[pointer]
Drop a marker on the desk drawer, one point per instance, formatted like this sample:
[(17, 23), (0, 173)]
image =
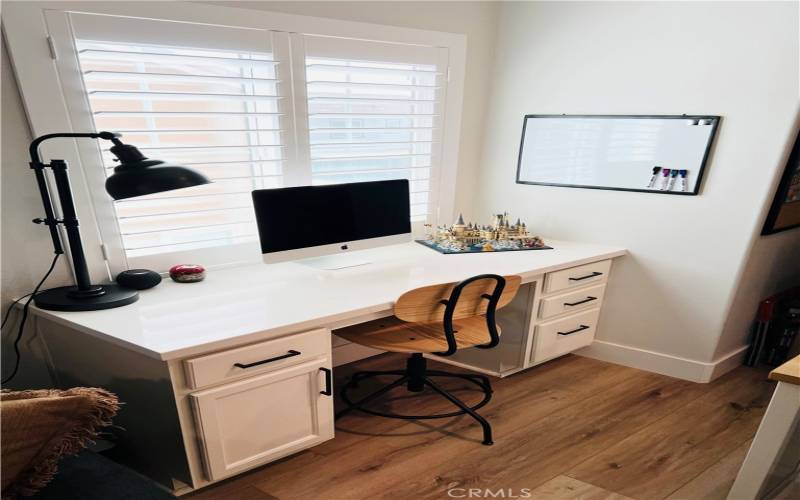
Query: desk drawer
[(564, 335), (257, 358), (596, 272), (585, 298)]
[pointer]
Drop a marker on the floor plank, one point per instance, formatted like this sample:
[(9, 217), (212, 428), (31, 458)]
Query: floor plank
[(235, 489), (789, 492), (416, 457), (655, 461), (553, 420), (715, 482), (568, 488), (539, 447)]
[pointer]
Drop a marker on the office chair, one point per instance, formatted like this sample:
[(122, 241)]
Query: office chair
[(437, 319)]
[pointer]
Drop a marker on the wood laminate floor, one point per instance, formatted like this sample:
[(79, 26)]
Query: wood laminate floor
[(571, 428)]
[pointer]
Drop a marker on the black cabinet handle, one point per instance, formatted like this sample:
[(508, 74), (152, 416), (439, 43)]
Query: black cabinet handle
[(582, 328), (587, 276), (328, 389), (270, 360), (587, 299)]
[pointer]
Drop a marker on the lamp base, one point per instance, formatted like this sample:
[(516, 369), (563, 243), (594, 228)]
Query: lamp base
[(68, 298)]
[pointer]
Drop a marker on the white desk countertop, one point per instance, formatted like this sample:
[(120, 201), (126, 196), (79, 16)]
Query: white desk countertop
[(255, 302)]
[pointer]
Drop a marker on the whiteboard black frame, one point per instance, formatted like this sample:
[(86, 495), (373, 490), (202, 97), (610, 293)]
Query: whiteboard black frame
[(714, 125)]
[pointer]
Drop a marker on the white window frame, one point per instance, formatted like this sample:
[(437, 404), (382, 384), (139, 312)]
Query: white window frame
[(32, 54), (69, 73)]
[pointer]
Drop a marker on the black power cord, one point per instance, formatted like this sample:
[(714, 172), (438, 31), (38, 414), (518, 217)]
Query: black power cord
[(21, 329), (10, 308)]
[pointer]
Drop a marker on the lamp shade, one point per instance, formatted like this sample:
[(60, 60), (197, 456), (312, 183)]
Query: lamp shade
[(137, 175)]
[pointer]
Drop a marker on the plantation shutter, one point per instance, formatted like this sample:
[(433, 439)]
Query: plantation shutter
[(204, 96), (375, 112)]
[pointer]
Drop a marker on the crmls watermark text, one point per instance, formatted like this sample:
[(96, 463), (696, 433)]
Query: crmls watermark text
[(489, 493)]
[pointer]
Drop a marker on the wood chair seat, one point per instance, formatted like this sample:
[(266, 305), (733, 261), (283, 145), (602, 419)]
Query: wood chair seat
[(394, 335), (437, 319)]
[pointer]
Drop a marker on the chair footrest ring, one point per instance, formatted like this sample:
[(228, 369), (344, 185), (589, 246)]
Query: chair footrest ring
[(358, 377)]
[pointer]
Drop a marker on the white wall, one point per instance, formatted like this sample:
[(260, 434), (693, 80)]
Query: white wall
[(737, 60), (772, 265), (26, 248)]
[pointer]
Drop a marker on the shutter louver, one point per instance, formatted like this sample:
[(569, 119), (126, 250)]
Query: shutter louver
[(373, 119), (215, 110)]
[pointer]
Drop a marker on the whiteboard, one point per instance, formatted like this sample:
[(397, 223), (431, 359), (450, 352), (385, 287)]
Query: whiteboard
[(616, 152)]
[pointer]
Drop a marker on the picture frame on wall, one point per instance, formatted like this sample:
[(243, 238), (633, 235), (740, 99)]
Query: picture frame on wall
[(784, 213)]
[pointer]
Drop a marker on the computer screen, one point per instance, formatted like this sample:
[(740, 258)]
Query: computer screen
[(309, 216)]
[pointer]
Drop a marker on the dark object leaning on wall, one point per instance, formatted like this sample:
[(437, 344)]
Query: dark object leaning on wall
[(775, 329)]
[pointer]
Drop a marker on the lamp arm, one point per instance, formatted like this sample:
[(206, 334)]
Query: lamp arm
[(34, 147)]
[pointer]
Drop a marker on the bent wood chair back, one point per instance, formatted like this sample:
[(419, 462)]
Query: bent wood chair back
[(479, 295)]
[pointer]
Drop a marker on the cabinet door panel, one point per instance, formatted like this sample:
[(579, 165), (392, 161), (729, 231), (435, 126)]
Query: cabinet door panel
[(257, 420)]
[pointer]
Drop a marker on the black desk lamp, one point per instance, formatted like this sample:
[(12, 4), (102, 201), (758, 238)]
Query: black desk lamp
[(136, 175)]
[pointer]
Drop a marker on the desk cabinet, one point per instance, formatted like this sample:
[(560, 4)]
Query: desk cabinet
[(266, 401), (555, 314), (256, 420)]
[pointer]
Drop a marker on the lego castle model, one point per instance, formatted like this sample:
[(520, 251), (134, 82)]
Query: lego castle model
[(501, 235)]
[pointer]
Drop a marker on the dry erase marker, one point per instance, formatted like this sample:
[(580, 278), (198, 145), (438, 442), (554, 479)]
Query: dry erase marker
[(653, 179), (664, 178), (673, 175), (684, 181)]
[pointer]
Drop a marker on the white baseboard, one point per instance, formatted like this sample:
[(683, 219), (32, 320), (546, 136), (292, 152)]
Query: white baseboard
[(728, 362), (665, 364)]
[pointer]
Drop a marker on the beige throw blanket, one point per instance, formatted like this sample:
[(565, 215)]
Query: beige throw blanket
[(39, 427)]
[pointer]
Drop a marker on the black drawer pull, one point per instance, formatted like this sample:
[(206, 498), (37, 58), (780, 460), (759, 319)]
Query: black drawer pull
[(328, 389), (270, 360), (582, 328), (587, 276), (587, 299)]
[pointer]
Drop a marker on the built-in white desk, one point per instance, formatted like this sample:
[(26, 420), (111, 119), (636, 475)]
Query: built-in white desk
[(193, 417)]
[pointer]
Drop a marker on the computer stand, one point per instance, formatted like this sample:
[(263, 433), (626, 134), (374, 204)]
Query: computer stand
[(334, 262)]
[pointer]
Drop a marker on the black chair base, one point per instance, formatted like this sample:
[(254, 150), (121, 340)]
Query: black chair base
[(416, 376)]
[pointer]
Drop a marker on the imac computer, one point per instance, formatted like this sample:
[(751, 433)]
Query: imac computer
[(323, 224)]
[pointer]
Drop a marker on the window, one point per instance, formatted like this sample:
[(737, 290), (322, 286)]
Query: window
[(210, 99), (215, 111), (374, 114), (251, 108)]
